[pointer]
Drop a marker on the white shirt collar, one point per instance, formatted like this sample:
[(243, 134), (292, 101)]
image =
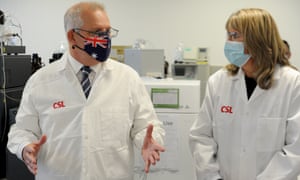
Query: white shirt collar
[(76, 65)]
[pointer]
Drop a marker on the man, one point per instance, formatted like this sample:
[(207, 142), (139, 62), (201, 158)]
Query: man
[(80, 116)]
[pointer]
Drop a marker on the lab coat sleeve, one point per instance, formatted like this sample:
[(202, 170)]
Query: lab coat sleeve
[(144, 114), (285, 164), (202, 144), (26, 129)]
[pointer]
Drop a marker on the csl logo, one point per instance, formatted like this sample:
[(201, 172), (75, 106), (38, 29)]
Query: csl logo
[(226, 109), (58, 104)]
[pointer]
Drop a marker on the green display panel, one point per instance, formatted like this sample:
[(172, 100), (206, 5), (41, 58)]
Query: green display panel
[(165, 97)]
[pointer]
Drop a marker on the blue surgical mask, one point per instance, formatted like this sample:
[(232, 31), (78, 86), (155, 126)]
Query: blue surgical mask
[(234, 52)]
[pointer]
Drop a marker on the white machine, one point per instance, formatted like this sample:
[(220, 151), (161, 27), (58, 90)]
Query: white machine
[(177, 103), (147, 62), (195, 65), (187, 71), (195, 54)]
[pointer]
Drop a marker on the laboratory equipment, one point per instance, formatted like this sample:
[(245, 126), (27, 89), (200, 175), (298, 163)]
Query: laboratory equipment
[(198, 71), (178, 57), (192, 71), (117, 52), (195, 54), (147, 62), (194, 65), (177, 104), (55, 57), (15, 70)]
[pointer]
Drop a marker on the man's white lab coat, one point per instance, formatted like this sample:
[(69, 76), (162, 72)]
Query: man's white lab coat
[(237, 138), (87, 139)]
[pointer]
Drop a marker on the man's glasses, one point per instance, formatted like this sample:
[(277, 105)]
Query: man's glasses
[(111, 32)]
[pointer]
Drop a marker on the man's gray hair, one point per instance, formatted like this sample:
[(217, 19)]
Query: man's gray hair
[(72, 18)]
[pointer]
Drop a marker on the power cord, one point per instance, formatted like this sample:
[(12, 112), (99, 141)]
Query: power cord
[(3, 91)]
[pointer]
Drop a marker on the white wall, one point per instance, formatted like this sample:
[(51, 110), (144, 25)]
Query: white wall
[(163, 23)]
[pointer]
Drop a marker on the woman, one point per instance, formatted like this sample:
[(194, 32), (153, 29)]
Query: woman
[(249, 124)]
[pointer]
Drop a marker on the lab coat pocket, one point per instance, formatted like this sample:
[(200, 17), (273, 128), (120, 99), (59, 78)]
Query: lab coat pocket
[(270, 134), (223, 126), (117, 163), (111, 128)]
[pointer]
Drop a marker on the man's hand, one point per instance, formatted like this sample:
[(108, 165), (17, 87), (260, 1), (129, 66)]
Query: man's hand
[(151, 149), (30, 153)]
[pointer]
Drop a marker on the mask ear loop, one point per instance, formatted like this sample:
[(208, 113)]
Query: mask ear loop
[(75, 31), (75, 45)]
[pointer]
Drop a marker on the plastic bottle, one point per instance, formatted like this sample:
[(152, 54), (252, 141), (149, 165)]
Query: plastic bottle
[(178, 58)]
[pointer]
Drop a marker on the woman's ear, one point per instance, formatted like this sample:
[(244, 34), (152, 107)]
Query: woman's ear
[(246, 51)]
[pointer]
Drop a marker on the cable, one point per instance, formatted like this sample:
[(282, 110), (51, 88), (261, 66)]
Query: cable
[(3, 86), (10, 21)]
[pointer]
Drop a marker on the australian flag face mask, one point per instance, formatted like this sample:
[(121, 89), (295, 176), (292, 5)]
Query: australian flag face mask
[(97, 46)]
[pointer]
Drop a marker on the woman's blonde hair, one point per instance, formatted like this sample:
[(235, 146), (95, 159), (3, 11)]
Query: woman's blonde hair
[(262, 40)]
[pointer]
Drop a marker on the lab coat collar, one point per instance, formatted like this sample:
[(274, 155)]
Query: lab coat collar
[(67, 68), (63, 62), (257, 91), (241, 74), (277, 72), (107, 65)]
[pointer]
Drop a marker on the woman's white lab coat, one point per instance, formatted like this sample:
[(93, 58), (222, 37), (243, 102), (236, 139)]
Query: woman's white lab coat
[(87, 139), (236, 138)]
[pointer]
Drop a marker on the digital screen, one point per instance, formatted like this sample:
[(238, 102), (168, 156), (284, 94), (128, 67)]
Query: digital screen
[(202, 50), (179, 71), (165, 97)]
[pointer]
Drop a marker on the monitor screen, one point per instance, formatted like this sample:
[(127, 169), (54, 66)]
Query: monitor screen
[(165, 97), (179, 71)]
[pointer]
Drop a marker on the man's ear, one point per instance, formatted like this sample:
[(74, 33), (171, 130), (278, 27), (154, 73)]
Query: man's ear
[(70, 36)]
